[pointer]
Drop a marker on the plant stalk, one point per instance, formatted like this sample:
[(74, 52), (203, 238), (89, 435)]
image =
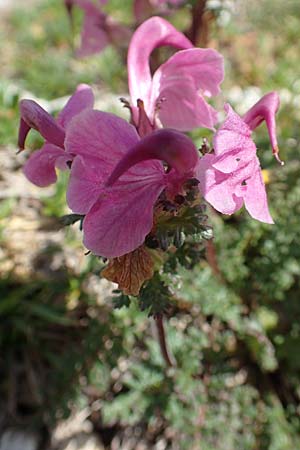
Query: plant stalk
[(167, 356)]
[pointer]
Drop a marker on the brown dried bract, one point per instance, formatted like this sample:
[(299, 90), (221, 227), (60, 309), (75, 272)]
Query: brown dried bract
[(130, 270)]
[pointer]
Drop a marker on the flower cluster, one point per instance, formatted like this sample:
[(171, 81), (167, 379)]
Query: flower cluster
[(100, 29), (129, 181)]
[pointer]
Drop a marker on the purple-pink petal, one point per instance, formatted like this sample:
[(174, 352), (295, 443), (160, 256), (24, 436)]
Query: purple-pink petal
[(181, 106), (82, 98), (204, 66), (233, 143), (121, 219), (216, 187), (107, 138), (85, 184), (228, 162), (255, 197), (100, 135), (233, 133), (40, 167)]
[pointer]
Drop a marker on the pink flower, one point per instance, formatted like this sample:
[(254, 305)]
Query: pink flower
[(40, 167), (175, 93), (114, 185), (98, 29), (231, 176)]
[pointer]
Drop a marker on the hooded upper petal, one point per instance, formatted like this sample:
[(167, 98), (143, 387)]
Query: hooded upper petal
[(34, 116), (154, 32), (178, 86), (265, 110), (170, 146)]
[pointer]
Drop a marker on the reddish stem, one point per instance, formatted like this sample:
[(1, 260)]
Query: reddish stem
[(197, 22), (212, 259), (168, 358)]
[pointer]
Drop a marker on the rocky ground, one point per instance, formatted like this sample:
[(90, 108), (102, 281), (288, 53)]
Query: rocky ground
[(26, 232)]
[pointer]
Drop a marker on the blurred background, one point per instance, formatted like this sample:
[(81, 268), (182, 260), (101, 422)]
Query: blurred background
[(76, 372)]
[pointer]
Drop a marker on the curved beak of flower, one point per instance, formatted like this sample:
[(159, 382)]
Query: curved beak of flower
[(151, 34), (265, 110), (170, 146), (34, 116)]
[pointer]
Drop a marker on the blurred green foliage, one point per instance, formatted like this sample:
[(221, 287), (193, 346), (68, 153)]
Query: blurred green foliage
[(236, 331)]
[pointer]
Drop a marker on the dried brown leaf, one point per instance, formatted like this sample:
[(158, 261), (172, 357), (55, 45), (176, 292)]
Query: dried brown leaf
[(130, 270)]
